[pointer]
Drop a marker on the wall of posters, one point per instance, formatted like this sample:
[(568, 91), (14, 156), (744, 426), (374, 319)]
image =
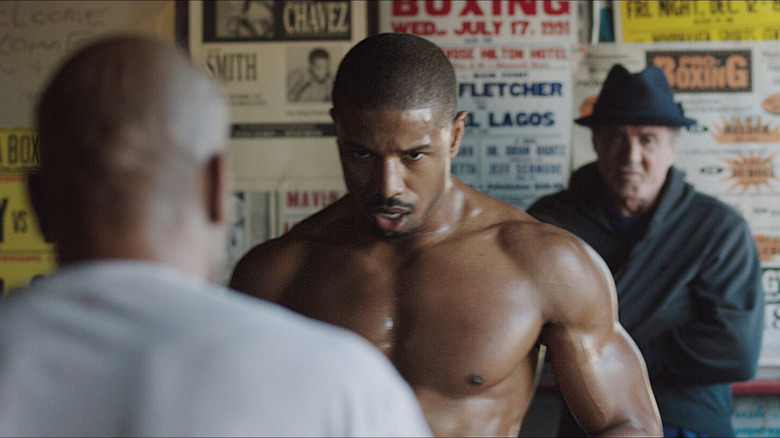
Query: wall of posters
[(756, 416), (276, 61), (732, 89), (513, 68), (251, 224), (34, 38), (699, 20), (296, 205)]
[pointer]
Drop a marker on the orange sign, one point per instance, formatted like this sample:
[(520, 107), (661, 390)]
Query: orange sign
[(751, 170), (772, 104), (767, 246), (746, 131)]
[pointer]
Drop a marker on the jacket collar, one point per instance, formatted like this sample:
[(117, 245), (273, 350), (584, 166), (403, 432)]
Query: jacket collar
[(590, 192)]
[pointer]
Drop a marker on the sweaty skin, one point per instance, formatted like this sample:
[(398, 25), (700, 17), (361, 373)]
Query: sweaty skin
[(455, 287)]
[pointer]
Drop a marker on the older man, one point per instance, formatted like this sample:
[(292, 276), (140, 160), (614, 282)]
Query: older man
[(685, 264), (128, 338)]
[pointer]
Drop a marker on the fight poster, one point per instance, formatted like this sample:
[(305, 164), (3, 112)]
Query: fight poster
[(251, 224), (732, 89), (512, 61), (276, 62), (23, 252), (696, 20)]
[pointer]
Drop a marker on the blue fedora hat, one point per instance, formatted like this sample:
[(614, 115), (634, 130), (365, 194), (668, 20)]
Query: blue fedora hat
[(636, 99)]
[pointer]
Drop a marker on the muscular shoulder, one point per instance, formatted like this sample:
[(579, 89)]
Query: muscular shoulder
[(267, 268), (573, 282)]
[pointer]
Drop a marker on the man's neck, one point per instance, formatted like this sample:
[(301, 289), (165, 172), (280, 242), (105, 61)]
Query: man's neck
[(628, 207), (186, 247), (445, 217)]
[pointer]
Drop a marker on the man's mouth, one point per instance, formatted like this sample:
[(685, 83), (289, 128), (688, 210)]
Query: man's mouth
[(392, 214), (629, 173), (392, 219)]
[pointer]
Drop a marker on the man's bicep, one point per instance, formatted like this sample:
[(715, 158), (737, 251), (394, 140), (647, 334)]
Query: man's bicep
[(603, 379), (580, 340), (598, 368)]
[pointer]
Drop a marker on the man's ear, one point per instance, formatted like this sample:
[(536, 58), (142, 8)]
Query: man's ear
[(216, 186), (458, 126)]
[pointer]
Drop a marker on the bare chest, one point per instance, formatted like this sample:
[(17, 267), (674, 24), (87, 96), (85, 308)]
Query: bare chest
[(456, 318)]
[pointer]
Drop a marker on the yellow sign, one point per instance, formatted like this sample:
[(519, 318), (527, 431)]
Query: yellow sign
[(23, 252), (693, 20)]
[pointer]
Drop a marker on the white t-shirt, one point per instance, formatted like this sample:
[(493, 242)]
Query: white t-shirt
[(135, 348)]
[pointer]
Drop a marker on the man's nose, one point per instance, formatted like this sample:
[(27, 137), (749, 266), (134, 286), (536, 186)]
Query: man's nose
[(633, 150), (390, 178)]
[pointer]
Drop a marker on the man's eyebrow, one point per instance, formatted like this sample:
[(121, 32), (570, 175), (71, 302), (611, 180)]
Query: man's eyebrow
[(417, 149), (411, 150), (350, 143)]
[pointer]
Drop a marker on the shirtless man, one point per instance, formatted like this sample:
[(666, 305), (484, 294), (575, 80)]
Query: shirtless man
[(455, 287)]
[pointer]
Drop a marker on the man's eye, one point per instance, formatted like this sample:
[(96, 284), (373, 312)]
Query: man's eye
[(414, 156), (612, 140), (361, 154)]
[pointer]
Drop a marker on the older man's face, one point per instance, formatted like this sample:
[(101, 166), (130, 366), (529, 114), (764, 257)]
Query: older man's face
[(633, 161)]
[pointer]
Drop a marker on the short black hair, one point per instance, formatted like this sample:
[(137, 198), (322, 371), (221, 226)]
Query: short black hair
[(395, 70)]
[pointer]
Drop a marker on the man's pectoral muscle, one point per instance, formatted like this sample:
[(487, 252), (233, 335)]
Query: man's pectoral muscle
[(460, 320)]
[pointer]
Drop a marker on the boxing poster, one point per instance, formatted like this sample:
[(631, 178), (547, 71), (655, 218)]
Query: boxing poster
[(700, 20), (35, 37), (296, 205), (733, 90), (276, 61), (24, 254), (512, 61), (251, 224)]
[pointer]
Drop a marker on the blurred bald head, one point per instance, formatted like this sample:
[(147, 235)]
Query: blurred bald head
[(129, 129)]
